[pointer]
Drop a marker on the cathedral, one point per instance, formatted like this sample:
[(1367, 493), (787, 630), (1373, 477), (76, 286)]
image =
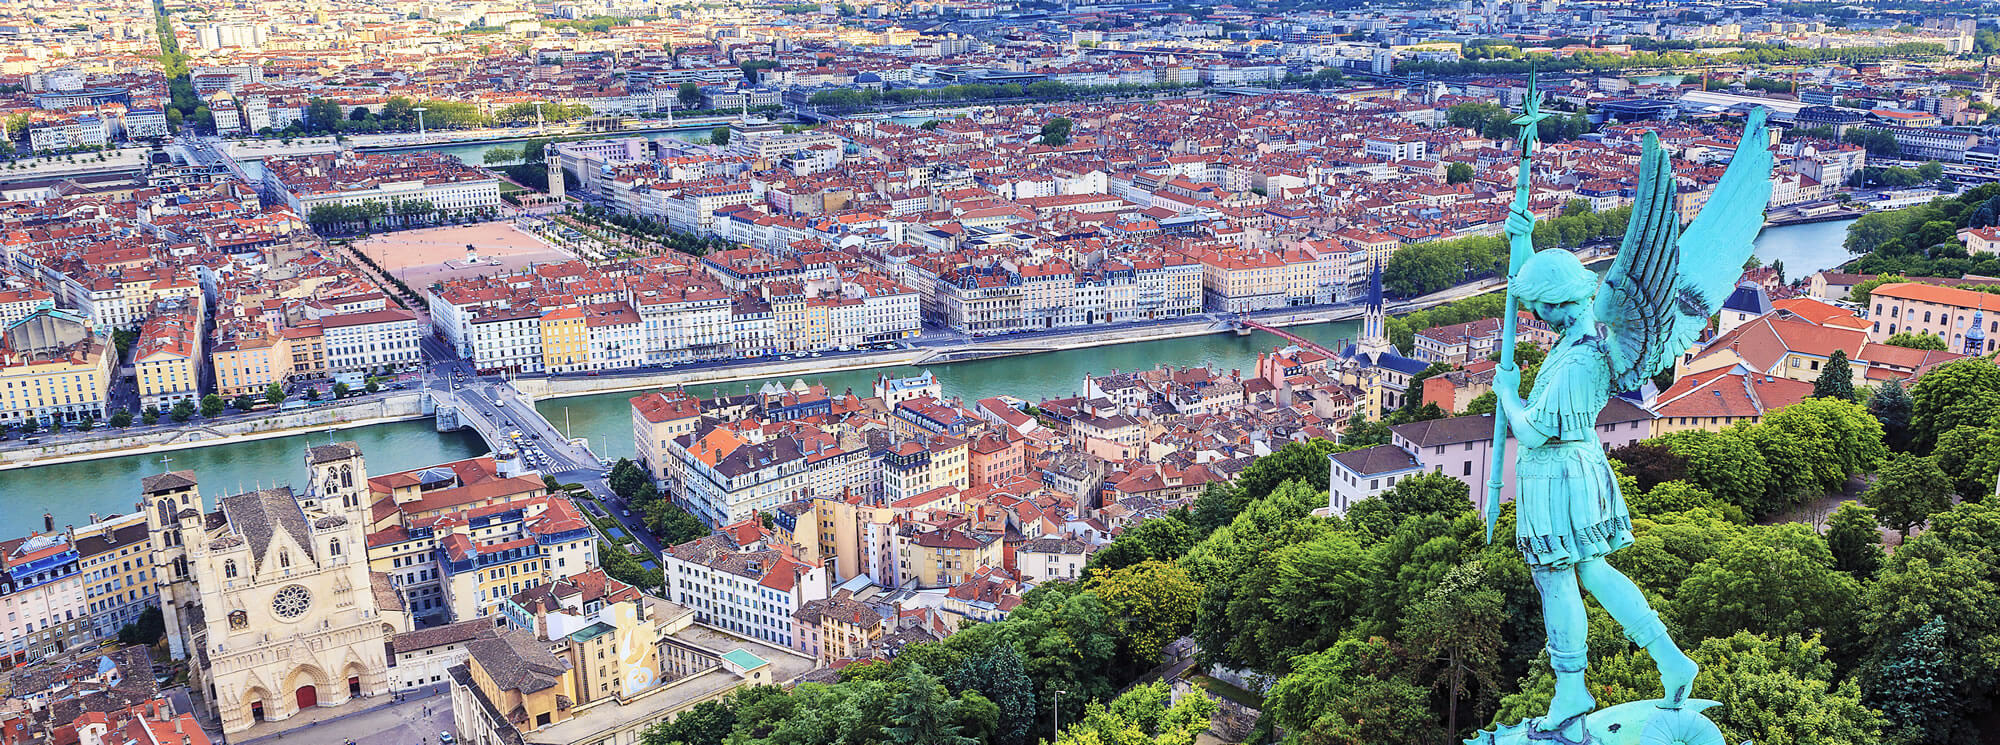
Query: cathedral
[(270, 593)]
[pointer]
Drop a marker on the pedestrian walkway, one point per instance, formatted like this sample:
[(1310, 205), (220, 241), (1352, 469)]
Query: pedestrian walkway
[(401, 719)]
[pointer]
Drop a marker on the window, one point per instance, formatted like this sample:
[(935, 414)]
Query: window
[(284, 557), (229, 569)]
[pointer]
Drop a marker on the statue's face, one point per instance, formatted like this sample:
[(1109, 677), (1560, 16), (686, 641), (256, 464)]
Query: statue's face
[(1559, 315)]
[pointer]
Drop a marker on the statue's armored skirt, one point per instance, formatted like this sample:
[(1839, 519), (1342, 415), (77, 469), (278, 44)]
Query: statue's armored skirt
[(1567, 505)]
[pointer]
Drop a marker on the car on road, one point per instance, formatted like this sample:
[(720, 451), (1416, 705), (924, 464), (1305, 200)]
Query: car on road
[(444, 738)]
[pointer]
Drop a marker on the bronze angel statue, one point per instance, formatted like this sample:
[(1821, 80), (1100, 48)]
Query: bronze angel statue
[(1615, 335)]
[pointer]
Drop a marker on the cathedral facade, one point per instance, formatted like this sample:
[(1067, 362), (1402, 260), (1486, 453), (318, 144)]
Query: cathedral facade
[(270, 593)]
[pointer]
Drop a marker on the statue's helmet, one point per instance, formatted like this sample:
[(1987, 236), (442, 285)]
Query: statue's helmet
[(1553, 276)]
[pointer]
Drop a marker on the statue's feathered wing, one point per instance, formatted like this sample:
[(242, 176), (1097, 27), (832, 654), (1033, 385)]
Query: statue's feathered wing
[(1666, 282)]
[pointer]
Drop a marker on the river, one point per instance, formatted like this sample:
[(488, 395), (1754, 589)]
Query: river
[(71, 491)]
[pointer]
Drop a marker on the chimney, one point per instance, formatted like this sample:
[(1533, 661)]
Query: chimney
[(48, 522)]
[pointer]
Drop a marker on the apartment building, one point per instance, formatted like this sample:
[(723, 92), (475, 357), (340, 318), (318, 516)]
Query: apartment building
[(403, 182), (368, 340), (54, 367), (659, 418), (722, 476), (456, 539), (114, 558), (838, 628), (756, 592), (43, 607), (168, 359), (1946, 312)]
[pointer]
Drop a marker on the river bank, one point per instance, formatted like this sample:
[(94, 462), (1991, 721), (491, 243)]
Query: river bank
[(112, 443)]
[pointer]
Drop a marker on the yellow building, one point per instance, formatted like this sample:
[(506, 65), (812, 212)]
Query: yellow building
[(527, 683), (53, 366), (912, 468), (943, 558), (307, 347), (565, 340), (114, 557), (838, 628), (168, 358), (658, 418), (591, 661), (848, 537), (788, 310), (248, 360)]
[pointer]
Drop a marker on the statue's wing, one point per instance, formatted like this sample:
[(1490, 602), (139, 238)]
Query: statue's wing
[(1666, 282)]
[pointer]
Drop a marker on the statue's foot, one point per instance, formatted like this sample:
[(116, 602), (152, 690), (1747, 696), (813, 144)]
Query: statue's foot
[(1677, 674), (1571, 702)]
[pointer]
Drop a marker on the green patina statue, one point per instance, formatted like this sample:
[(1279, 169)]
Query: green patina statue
[(1615, 334)]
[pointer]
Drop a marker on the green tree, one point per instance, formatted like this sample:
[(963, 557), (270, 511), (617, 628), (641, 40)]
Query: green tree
[(1055, 132), (1915, 340), (339, 390), (625, 477), (667, 520), (1970, 456), (183, 410), (689, 95), (500, 156), (997, 674), (926, 713), (1650, 463), (1836, 380), (372, 385), (1145, 715), (1727, 465), (1068, 643), (719, 135), (707, 723), (244, 402), (1908, 490), (1959, 393), (1946, 574), (1913, 688), (1880, 144), (1890, 404), (274, 394), (121, 418), (1456, 631), (146, 630), (151, 415), (1354, 693), (1846, 439), (1164, 538), (1304, 461), (1151, 603), (1774, 581), (1681, 496), (1854, 538), (1458, 173)]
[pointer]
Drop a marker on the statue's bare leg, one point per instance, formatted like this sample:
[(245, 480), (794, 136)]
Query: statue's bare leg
[(1569, 645), (1628, 606)]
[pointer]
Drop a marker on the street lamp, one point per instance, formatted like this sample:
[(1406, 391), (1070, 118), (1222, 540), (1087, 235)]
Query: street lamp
[(1058, 716)]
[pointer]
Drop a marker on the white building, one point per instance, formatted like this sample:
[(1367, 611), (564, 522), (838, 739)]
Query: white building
[(1360, 474), (361, 341), (755, 592)]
